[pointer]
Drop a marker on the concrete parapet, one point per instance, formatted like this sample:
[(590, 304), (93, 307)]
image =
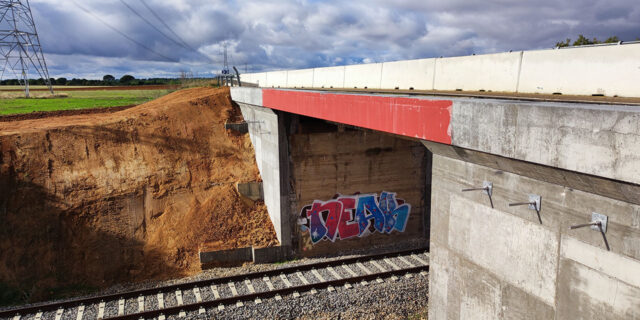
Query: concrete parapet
[(601, 70)]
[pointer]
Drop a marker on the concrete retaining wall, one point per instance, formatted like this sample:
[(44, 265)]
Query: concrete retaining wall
[(503, 263), (265, 133), (609, 70)]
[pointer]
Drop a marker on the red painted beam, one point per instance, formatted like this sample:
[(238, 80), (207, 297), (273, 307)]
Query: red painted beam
[(418, 118)]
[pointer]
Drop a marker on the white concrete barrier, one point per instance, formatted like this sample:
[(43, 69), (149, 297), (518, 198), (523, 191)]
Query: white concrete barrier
[(495, 72), (276, 79), (300, 78), (363, 76), (407, 74), (607, 70), (330, 77)]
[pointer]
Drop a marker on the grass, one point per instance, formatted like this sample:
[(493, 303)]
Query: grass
[(13, 103)]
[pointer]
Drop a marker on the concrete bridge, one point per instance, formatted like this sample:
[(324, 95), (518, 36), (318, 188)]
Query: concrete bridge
[(347, 170)]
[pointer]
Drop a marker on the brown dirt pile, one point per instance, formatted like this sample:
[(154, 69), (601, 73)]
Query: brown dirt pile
[(97, 199)]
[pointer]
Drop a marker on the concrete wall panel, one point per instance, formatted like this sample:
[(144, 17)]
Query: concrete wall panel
[(300, 78), (520, 252), (330, 77), (416, 74), (363, 75), (276, 79), (495, 72), (607, 70)]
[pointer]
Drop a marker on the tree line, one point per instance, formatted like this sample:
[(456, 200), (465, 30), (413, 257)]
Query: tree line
[(582, 40), (107, 80)]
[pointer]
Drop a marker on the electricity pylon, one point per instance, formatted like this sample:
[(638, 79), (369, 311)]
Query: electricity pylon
[(20, 49)]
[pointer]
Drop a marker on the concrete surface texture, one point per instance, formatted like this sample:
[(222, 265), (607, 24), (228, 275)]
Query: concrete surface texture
[(265, 133), (594, 139), (502, 263), (603, 70)]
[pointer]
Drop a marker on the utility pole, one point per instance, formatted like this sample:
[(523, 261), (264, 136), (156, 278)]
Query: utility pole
[(20, 48)]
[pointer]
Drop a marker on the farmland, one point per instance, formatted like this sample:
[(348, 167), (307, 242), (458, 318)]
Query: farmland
[(12, 102)]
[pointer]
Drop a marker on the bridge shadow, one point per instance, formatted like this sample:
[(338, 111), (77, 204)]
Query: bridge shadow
[(49, 250)]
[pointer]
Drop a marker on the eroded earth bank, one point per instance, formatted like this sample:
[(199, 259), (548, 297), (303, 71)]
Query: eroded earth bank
[(98, 199)]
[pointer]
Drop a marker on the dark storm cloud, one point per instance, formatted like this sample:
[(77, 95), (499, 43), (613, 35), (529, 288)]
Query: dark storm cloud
[(270, 34)]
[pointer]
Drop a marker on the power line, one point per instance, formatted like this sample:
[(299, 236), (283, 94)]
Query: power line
[(152, 25), (123, 34), (166, 25), (172, 31)]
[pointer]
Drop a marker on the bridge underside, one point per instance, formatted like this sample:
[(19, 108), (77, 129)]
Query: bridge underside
[(358, 158)]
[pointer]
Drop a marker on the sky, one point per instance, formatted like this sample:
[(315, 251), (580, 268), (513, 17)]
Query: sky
[(293, 34)]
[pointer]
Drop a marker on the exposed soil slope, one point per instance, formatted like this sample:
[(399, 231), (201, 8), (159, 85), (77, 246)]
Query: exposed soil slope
[(98, 199)]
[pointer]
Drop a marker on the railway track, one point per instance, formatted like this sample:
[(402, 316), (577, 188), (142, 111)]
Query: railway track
[(193, 298)]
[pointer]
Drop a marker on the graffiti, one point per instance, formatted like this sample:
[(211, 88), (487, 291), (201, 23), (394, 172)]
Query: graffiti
[(345, 217)]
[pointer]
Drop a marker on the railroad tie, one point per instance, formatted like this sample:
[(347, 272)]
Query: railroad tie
[(160, 300), (317, 275), (161, 317), (268, 282), (179, 297), (251, 289), (141, 303), (334, 273), (417, 258), (101, 310), (201, 310), (38, 315), (16, 317), (302, 278), (392, 264), (196, 292), (214, 289), (121, 307), (377, 265), (349, 271), (182, 314), (234, 292), (59, 313), (285, 280), (80, 312), (407, 262), (363, 268)]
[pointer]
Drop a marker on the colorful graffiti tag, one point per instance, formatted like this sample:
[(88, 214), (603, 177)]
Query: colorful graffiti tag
[(346, 217)]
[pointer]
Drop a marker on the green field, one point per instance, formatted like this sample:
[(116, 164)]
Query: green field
[(12, 103)]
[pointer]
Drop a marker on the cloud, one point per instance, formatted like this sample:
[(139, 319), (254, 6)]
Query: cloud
[(287, 34)]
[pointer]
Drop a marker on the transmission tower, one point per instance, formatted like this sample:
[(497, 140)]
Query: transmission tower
[(20, 49)]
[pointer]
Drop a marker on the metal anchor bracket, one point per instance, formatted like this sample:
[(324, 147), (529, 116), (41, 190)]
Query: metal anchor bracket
[(535, 202), (598, 223), (487, 188)]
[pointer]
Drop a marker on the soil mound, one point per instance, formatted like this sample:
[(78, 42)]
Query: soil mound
[(97, 199)]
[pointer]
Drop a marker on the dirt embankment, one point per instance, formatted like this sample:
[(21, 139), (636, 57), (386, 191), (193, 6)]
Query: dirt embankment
[(97, 199)]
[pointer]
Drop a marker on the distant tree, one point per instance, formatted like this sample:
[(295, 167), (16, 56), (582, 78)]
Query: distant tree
[(582, 41), (108, 79), (126, 79), (61, 81)]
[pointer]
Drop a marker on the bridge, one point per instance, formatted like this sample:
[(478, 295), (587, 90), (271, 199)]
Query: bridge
[(519, 170)]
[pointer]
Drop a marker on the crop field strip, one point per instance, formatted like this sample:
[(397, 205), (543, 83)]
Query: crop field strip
[(198, 296)]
